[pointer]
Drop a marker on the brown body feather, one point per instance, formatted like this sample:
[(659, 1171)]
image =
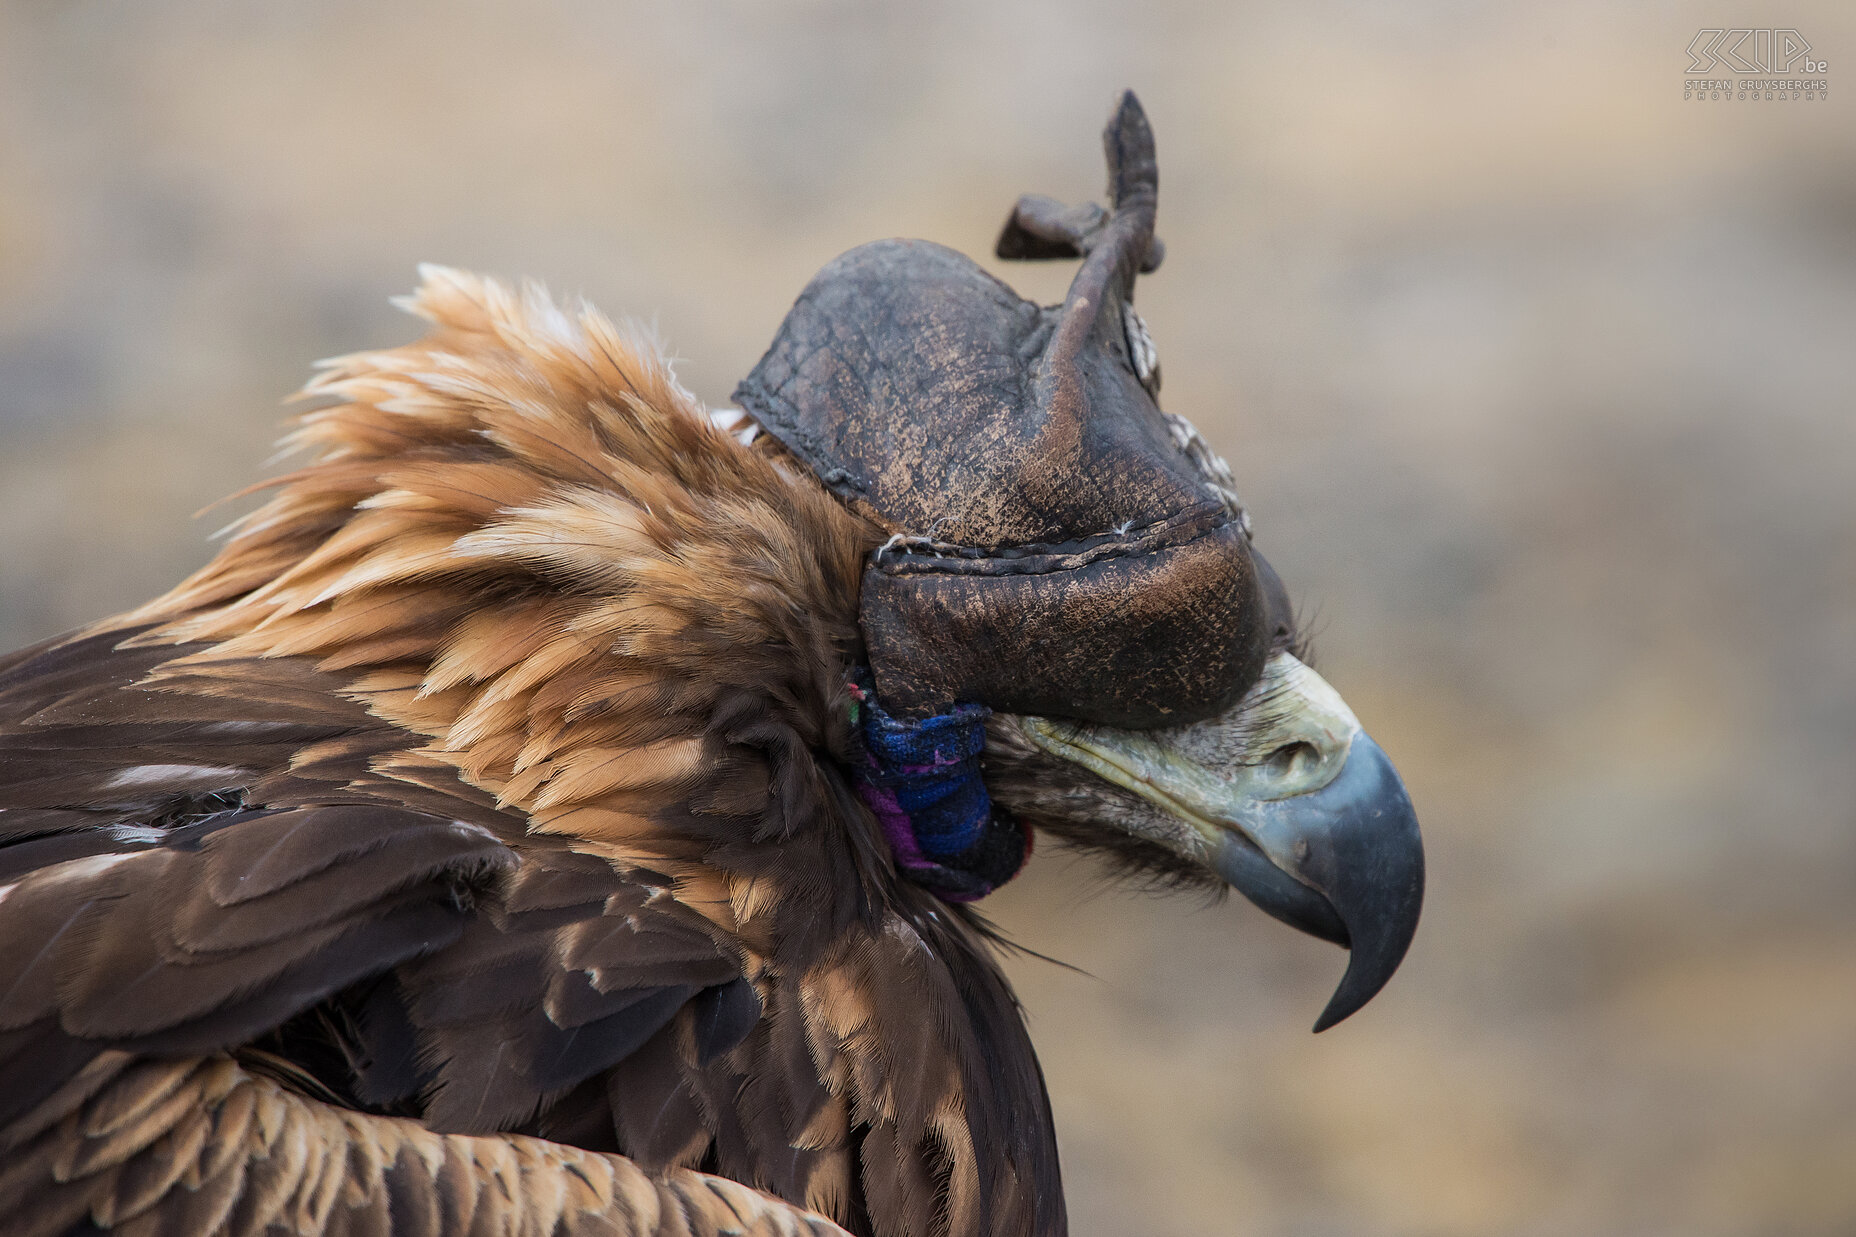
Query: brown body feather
[(485, 789)]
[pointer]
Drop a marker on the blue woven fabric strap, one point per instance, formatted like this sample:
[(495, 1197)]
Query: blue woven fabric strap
[(922, 780)]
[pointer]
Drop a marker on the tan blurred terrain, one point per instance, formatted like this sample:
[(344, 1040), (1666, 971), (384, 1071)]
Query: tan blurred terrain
[(1539, 381)]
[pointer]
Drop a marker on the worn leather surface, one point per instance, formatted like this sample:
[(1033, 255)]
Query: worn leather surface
[(1146, 639), (1054, 551), (912, 380)]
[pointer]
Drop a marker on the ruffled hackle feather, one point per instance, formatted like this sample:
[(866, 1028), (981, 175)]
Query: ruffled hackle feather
[(521, 538)]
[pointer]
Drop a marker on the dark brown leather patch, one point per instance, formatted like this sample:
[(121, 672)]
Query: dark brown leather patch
[(1136, 640)]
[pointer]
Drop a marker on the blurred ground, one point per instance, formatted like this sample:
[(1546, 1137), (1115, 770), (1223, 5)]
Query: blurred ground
[(1538, 379)]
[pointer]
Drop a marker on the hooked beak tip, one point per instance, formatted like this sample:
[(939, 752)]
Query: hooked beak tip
[(1357, 873), (1371, 871)]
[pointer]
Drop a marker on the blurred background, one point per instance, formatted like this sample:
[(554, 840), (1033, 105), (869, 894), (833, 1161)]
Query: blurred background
[(1538, 379)]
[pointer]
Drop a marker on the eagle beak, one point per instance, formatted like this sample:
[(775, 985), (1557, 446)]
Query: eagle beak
[(1344, 863), (1304, 815)]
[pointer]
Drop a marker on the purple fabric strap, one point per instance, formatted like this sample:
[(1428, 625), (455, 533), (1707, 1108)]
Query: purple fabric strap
[(922, 781)]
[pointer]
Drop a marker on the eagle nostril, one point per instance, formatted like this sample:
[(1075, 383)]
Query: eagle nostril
[(1292, 761)]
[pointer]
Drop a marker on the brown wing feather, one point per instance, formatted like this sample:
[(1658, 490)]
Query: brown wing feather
[(159, 930), (201, 1146)]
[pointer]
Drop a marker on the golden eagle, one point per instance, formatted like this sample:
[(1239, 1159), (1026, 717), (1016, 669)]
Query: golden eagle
[(557, 808)]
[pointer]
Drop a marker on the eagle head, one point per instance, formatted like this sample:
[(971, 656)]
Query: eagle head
[(1068, 568)]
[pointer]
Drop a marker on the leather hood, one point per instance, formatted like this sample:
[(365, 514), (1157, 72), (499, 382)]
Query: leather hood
[(1054, 550)]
